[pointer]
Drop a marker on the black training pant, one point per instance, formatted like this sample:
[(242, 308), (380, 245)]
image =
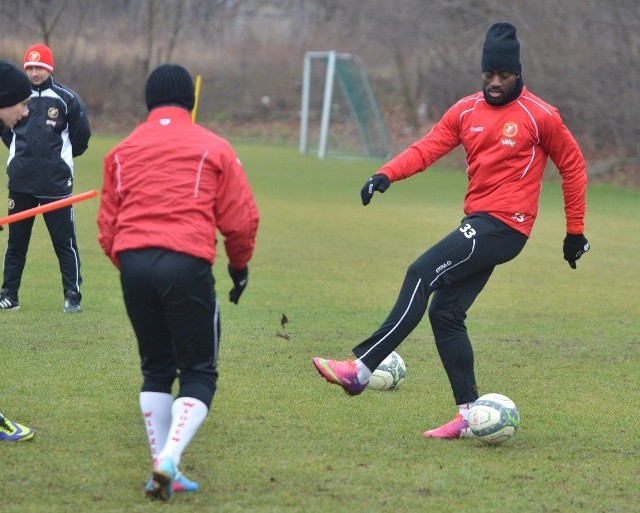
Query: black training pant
[(62, 230), (454, 271), (171, 303)]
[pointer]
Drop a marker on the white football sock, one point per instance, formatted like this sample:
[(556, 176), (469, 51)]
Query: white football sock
[(156, 413), (463, 409), (363, 372), (187, 416)]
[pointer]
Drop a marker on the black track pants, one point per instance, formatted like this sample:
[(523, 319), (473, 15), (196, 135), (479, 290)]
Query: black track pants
[(171, 303), (62, 230), (454, 271)]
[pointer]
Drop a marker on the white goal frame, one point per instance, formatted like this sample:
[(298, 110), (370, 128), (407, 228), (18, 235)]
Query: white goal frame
[(331, 58)]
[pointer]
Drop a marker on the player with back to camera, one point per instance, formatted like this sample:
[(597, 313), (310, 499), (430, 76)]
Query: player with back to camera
[(507, 133), (41, 170), (15, 92), (168, 187)]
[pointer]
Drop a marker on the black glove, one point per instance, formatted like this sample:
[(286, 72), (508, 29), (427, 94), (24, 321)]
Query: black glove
[(573, 248), (378, 183), (239, 277)]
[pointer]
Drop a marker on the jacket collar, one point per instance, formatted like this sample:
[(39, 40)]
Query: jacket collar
[(45, 85), (169, 111)]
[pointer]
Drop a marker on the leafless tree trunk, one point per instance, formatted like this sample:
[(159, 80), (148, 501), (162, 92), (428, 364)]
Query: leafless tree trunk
[(580, 55), (47, 14), (177, 24)]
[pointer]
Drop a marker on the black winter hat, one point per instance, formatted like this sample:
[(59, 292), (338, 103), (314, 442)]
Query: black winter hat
[(15, 86), (501, 50), (170, 84)]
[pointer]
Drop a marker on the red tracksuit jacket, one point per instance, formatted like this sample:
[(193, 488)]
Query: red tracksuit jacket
[(171, 184), (507, 149)]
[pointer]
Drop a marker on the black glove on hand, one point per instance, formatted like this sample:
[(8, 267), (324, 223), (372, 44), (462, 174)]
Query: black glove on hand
[(240, 278), (378, 183), (573, 248)]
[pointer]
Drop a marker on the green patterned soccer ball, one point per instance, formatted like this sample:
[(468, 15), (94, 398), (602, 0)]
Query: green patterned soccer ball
[(389, 374), (494, 418)]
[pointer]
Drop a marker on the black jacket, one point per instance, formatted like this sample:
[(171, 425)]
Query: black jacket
[(42, 145)]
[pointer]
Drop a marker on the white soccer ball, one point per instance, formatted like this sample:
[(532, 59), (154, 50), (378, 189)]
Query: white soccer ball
[(494, 418), (389, 374)]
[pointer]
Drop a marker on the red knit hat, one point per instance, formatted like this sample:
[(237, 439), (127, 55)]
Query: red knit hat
[(40, 56)]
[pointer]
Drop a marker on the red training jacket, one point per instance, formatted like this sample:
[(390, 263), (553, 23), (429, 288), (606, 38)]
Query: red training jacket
[(507, 149), (170, 184)]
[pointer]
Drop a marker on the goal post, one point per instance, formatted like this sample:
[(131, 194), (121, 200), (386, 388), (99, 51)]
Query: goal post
[(355, 94)]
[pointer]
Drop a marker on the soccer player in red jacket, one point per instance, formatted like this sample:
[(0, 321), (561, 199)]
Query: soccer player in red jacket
[(508, 134), (168, 188)]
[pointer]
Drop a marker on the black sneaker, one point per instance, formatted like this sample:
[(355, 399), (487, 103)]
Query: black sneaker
[(7, 301), (71, 302)]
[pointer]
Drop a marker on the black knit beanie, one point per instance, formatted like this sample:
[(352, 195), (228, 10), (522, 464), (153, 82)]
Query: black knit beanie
[(501, 50), (170, 84), (15, 86)]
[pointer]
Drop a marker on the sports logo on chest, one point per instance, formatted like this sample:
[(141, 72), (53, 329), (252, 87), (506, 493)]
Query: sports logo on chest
[(509, 131), (52, 115)]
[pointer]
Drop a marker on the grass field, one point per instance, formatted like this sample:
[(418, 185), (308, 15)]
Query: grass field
[(563, 344)]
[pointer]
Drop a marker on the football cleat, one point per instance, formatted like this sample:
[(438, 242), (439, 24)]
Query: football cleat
[(181, 483), (71, 302), (163, 475), (13, 432), (457, 428), (8, 301), (342, 373)]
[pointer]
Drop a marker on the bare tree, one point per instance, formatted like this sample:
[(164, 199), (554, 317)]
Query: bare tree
[(150, 34), (580, 55), (177, 19), (47, 14)]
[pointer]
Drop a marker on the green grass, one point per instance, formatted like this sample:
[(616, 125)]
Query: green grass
[(563, 344)]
